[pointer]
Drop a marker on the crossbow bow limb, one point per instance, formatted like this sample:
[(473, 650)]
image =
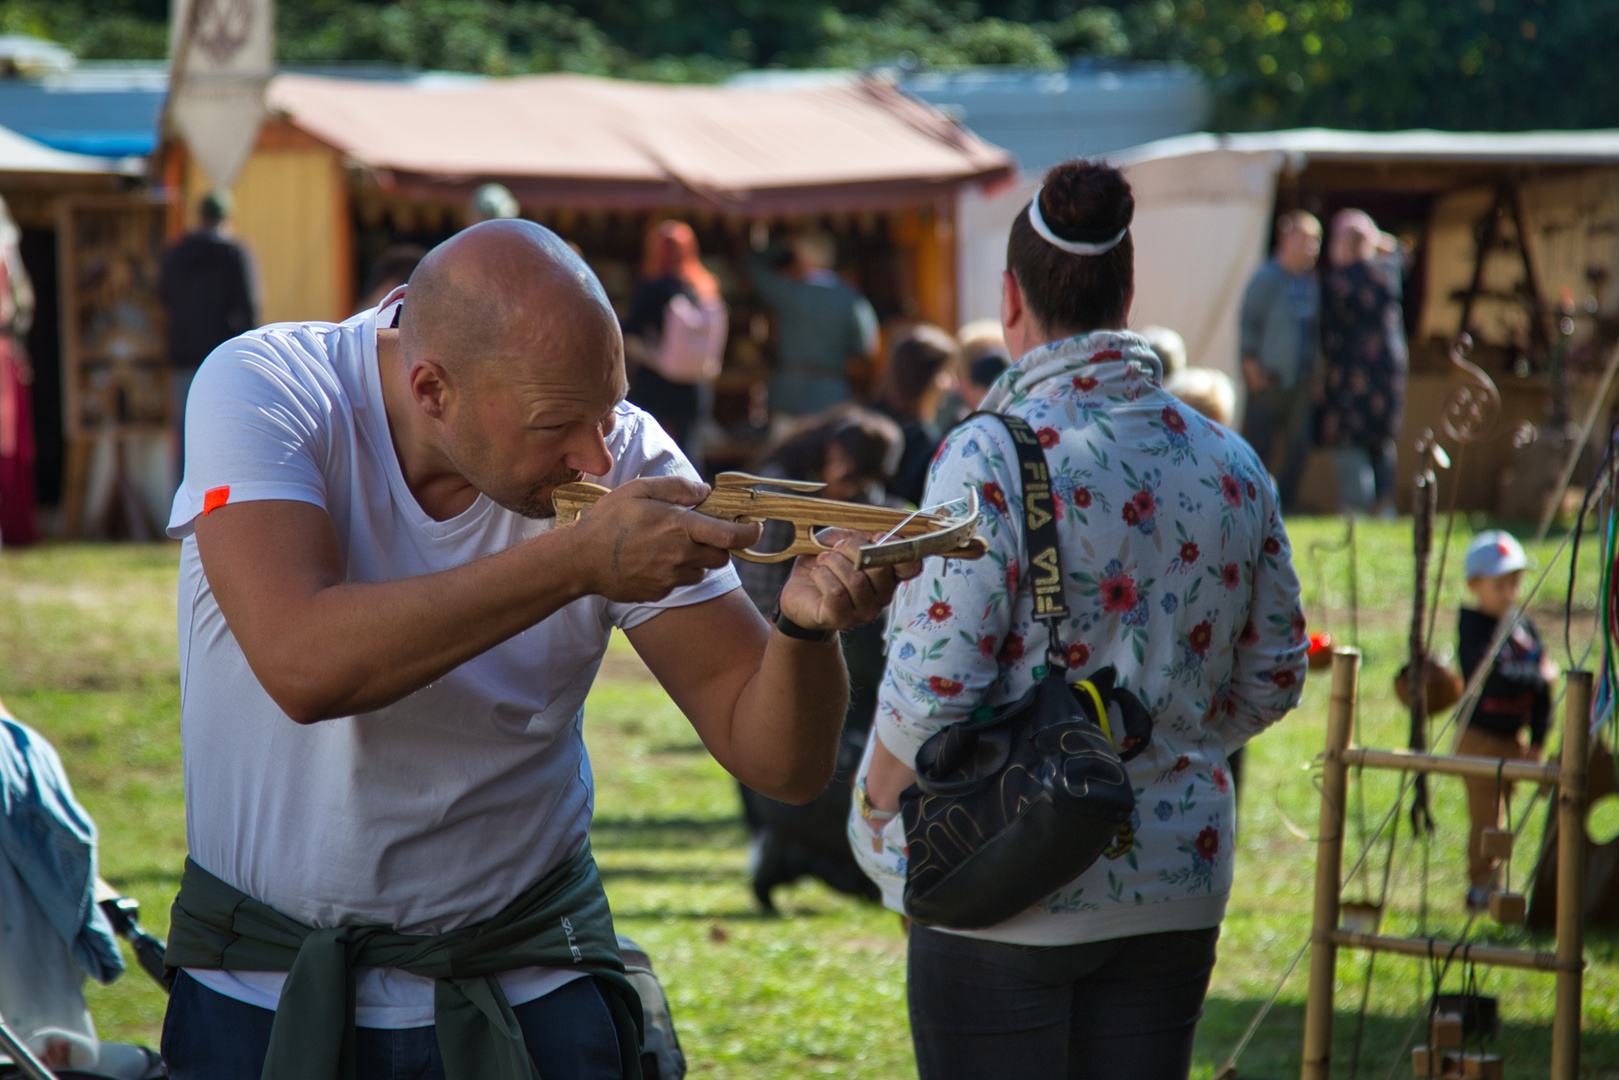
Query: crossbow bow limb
[(906, 536)]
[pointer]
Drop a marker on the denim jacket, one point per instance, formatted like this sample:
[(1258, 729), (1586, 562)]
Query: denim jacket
[(51, 842)]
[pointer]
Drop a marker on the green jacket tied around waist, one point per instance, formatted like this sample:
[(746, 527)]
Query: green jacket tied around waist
[(563, 922)]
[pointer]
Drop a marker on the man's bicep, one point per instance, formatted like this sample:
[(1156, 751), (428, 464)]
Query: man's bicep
[(265, 561), (703, 654)]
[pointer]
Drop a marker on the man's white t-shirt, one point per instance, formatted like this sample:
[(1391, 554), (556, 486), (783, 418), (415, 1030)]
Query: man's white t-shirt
[(433, 812)]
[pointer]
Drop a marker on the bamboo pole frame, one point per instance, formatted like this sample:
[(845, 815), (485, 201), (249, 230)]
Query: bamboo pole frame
[(1567, 962), (1329, 867), (1450, 765), (1492, 955), (1571, 878)]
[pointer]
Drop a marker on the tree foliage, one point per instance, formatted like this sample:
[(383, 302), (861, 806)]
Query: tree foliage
[(1374, 64)]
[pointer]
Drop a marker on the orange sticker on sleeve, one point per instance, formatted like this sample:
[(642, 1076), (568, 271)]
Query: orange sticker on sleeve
[(214, 498)]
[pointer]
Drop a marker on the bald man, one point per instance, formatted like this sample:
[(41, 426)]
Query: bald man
[(385, 649)]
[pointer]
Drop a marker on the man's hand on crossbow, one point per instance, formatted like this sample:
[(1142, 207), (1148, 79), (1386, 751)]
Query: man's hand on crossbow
[(829, 592), (642, 540)]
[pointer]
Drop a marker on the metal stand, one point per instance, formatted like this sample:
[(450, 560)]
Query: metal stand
[(1325, 937), (22, 1057)]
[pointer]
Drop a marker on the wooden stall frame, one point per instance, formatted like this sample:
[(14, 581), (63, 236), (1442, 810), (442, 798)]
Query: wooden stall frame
[(1567, 963), (79, 441)]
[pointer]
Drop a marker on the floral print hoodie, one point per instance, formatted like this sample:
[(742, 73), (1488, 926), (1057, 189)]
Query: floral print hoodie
[(1178, 573)]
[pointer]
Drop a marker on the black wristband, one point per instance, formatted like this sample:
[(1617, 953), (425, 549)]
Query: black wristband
[(801, 633)]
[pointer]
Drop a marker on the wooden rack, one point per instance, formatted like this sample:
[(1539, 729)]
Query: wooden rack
[(1567, 962)]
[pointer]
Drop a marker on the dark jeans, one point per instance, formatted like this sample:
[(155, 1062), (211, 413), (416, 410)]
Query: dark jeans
[(1277, 426), (1108, 1009), (208, 1036)]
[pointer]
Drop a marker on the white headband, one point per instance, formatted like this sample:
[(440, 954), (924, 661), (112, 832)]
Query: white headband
[(1073, 247)]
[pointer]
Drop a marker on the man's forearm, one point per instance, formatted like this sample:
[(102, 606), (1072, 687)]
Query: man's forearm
[(784, 731), (364, 646)]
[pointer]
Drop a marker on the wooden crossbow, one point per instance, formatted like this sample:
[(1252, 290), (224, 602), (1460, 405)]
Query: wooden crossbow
[(907, 536)]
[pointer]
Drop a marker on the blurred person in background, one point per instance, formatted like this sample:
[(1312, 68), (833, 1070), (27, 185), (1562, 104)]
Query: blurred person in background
[(675, 334), (1170, 347), (1208, 390), (823, 326), (17, 524), (853, 451), (491, 202), (391, 270), (207, 287), (1279, 333), (1106, 977), (981, 361), (1363, 336), (913, 382)]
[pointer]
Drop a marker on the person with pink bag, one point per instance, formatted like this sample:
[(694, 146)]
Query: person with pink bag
[(676, 333)]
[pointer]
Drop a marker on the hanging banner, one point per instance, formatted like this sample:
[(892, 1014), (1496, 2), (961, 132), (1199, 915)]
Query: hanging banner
[(221, 57)]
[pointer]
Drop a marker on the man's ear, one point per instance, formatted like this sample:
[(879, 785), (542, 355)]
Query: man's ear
[(430, 388)]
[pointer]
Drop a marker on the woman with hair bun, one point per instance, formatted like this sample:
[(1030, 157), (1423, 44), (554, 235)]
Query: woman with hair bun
[(1176, 572)]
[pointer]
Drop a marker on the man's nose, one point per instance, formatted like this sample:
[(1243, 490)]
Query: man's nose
[(591, 455)]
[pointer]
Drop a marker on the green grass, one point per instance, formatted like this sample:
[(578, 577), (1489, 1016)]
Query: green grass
[(87, 655)]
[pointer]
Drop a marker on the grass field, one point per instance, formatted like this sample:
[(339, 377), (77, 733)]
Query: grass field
[(87, 656)]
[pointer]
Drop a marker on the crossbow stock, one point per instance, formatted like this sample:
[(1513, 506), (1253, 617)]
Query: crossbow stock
[(906, 536)]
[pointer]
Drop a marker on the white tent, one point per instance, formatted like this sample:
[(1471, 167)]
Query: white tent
[(20, 154)]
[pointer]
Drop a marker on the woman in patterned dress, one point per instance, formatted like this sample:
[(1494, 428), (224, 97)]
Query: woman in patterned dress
[(1363, 336), (1178, 573)]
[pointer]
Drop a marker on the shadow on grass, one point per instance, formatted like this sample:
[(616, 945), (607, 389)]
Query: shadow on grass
[(151, 875), (1274, 1053), (672, 873), (669, 832), (715, 915)]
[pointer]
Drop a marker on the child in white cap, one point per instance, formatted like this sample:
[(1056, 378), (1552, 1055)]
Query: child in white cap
[(1516, 693)]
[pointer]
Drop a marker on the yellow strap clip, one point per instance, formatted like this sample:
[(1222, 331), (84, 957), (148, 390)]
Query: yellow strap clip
[(1101, 710)]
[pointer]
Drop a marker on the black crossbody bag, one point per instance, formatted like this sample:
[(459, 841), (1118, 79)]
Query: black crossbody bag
[(1008, 809)]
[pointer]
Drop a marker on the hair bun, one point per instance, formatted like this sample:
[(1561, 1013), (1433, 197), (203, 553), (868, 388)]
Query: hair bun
[(1086, 201)]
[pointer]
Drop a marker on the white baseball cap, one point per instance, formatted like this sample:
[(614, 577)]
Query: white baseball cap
[(1494, 553)]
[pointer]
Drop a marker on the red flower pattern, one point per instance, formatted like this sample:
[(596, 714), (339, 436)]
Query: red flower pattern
[(1222, 783), (986, 645), (1231, 491), (1201, 637), (944, 687), (1082, 497), (1230, 576), (1189, 553), (1173, 420), (1272, 546), (1085, 383), (1118, 593), (1012, 651), (1284, 677), (938, 611), (1207, 844), (1048, 437), (1078, 654), (994, 496)]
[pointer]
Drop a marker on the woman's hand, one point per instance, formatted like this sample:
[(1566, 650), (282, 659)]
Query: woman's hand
[(887, 777)]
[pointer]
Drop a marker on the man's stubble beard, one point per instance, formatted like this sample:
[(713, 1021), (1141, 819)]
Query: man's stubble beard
[(538, 503)]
